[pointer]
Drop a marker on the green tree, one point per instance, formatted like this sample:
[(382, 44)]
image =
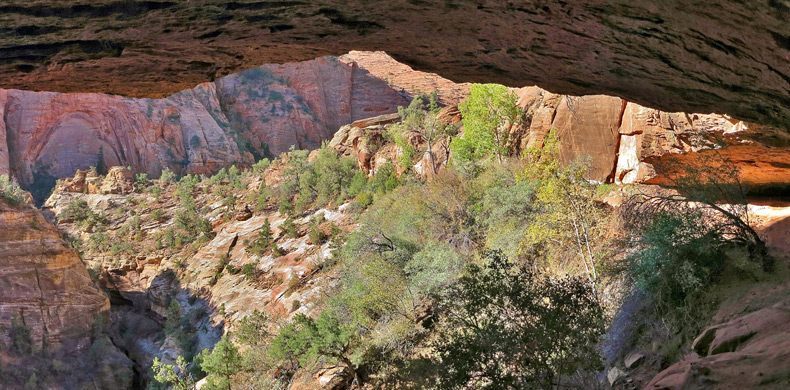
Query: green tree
[(101, 165), (306, 339), (296, 165), (142, 181), (252, 330), (421, 117), (259, 167), (32, 382), (167, 177), (21, 339), (488, 113), (176, 375), (506, 326), (568, 220), (220, 364)]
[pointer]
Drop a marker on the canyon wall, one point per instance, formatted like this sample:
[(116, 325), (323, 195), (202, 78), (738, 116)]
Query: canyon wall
[(256, 113), (266, 110), (45, 285), (629, 143)]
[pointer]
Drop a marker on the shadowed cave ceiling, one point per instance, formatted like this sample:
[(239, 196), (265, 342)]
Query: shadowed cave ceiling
[(696, 56)]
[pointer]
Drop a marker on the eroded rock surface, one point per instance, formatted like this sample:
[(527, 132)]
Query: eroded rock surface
[(234, 120), (748, 352), (45, 285), (264, 111), (713, 56)]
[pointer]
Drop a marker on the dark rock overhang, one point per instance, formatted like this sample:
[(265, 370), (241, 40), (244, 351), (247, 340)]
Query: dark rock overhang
[(720, 55)]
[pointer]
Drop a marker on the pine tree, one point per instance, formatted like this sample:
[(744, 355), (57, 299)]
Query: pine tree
[(101, 165), (221, 364)]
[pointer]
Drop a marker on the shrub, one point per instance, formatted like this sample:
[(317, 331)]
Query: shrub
[(252, 329), (364, 199), (385, 179), (167, 177), (358, 183), (20, 336), (158, 215), (259, 167), (176, 375), (676, 263), (250, 271), (316, 235), (545, 326), (289, 227), (142, 181), (10, 191)]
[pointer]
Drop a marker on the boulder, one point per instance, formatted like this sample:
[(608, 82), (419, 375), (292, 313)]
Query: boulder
[(329, 378), (633, 359), (119, 180), (615, 374), (243, 214), (747, 352)]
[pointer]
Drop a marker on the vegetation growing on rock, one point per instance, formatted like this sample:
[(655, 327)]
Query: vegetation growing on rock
[(388, 275)]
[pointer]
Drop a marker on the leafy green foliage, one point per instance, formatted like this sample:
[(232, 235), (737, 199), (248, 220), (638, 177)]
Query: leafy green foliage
[(252, 329), (167, 177), (250, 271), (306, 339), (21, 340), (545, 326), (265, 239), (175, 375), (487, 113), (325, 180), (101, 165), (420, 117), (178, 325), (10, 191), (569, 222), (142, 181), (678, 259), (259, 167), (80, 212)]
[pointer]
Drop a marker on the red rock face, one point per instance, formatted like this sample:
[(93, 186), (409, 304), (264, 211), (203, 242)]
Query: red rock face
[(44, 282), (259, 112), (266, 110)]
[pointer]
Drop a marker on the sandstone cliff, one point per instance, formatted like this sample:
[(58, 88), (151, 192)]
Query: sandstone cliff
[(625, 142), (258, 112), (264, 111), (45, 284)]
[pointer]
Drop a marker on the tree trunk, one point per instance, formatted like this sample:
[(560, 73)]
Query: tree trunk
[(350, 365)]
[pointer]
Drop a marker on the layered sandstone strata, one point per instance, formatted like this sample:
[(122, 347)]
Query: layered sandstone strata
[(45, 285), (717, 55), (259, 112)]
